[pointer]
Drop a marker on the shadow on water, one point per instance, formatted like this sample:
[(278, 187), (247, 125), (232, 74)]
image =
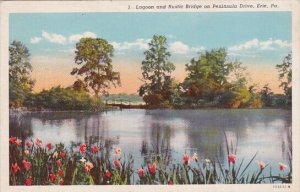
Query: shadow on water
[(205, 129), (158, 145), (88, 126)]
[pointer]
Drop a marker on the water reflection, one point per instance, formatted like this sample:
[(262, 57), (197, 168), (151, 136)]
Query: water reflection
[(147, 133)]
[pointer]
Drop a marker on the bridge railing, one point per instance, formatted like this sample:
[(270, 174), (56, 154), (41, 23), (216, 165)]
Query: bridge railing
[(123, 102)]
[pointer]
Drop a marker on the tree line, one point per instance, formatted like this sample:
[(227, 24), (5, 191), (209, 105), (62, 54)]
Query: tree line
[(213, 80)]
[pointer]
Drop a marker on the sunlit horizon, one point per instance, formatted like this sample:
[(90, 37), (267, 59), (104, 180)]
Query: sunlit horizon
[(131, 76)]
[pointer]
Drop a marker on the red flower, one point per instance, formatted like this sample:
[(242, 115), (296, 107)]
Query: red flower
[(12, 140), (117, 164), (15, 168), (62, 154), (170, 182), (28, 144), (58, 163), (15, 140), (60, 172), (282, 166), (152, 168), (28, 181), (82, 148), (107, 174), (94, 149), (141, 172), (49, 146), (52, 177), (26, 165), (232, 158), (186, 159)]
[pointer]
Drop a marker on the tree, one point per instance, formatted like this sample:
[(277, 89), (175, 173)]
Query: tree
[(207, 75), (95, 57), (156, 70), (285, 76), (20, 83), (214, 80), (80, 86), (236, 85), (267, 96), (255, 99)]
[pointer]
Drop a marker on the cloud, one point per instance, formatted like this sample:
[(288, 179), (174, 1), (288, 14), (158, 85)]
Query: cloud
[(35, 40), (76, 37), (179, 47), (60, 39), (282, 44), (141, 44), (54, 38), (256, 44), (176, 47)]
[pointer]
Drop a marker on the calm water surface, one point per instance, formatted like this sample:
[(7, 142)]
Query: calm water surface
[(141, 132)]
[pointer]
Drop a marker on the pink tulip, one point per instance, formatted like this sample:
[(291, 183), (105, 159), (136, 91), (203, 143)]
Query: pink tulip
[(232, 158)]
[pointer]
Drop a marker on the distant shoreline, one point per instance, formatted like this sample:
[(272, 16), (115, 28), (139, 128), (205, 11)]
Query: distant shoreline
[(112, 108)]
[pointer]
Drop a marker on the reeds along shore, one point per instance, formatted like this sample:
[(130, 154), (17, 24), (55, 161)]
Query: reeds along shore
[(34, 163)]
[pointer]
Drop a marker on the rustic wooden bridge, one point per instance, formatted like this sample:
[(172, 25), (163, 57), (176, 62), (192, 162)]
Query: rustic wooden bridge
[(125, 105)]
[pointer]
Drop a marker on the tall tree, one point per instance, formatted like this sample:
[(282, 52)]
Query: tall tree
[(20, 83), (95, 57), (156, 71), (207, 75), (285, 76)]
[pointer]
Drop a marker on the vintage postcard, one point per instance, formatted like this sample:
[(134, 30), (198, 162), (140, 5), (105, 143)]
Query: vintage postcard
[(150, 96)]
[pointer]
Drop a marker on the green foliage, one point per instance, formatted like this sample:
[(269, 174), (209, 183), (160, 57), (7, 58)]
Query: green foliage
[(285, 76), (58, 98), (153, 99), (267, 96), (255, 99), (80, 86), (94, 55), (20, 83), (156, 70), (17, 94), (207, 75), (230, 99), (212, 79), (211, 65)]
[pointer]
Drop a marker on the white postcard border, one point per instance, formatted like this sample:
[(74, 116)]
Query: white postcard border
[(122, 6)]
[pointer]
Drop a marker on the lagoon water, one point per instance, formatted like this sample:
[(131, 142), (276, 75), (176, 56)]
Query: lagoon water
[(144, 132)]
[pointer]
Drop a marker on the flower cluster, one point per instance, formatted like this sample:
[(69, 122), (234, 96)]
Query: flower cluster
[(35, 164), (15, 140)]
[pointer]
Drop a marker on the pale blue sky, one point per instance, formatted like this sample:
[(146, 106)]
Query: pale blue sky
[(258, 39)]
